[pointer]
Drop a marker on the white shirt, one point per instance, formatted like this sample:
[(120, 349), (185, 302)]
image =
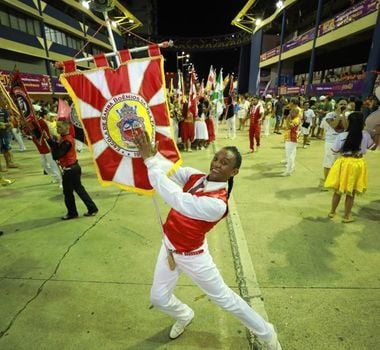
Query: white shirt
[(261, 109), (309, 115), (171, 190), (367, 142), (330, 133)]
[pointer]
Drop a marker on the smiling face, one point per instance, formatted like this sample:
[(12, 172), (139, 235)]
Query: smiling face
[(223, 166)]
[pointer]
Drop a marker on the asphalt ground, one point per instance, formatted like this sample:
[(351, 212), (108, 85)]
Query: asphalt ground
[(84, 283)]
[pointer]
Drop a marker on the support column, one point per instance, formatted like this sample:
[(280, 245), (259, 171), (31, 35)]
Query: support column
[(43, 34), (312, 56), (243, 77), (254, 66), (282, 36), (373, 64)]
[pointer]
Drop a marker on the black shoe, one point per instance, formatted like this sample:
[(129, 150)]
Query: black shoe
[(91, 213), (69, 217)]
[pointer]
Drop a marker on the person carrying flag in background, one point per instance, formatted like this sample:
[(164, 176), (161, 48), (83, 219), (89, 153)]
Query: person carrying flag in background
[(190, 112), (48, 164), (217, 100), (6, 138), (64, 152), (14, 116), (3, 138)]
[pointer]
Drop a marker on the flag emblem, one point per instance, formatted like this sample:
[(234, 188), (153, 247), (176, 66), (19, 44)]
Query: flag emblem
[(121, 116)]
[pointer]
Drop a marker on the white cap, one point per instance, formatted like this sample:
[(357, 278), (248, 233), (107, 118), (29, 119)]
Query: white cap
[(37, 108), (321, 98), (268, 96), (377, 92)]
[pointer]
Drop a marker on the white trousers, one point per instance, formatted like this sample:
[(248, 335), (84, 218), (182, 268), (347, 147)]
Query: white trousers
[(231, 127), (290, 154), (175, 129), (202, 270), (266, 126), (79, 146), (216, 125), (18, 137), (51, 167)]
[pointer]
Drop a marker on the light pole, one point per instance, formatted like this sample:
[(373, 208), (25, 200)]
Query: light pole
[(181, 57)]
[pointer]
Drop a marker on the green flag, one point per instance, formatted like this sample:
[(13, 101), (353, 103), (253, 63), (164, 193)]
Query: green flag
[(217, 96)]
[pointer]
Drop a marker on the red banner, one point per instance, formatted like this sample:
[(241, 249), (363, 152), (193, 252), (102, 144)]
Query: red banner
[(21, 99), (33, 83)]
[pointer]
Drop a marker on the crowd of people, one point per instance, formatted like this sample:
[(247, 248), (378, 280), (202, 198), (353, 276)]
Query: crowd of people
[(299, 120), (262, 115)]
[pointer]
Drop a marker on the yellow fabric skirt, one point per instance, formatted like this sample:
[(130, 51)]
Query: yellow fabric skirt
[(348, 175)]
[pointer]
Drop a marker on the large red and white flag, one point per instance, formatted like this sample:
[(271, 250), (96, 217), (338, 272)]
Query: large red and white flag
[(112, 104), (192, 104)]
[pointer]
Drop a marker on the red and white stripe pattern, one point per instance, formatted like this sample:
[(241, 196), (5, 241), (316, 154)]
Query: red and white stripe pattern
[(193, 100), (96, 90)]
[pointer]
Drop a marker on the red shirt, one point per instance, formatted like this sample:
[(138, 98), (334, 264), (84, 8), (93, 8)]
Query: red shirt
[(71, 156), (185, 233), (255, 114)]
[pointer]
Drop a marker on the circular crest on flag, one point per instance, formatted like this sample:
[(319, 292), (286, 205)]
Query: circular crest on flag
[(121, 116), (22, 101)]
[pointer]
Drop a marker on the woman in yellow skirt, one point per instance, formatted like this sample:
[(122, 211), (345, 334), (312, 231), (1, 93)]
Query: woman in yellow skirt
[(349, 175)]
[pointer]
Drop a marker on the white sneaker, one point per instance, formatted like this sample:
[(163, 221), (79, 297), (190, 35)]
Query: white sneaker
[(273, 343), (179, 327), (286, 173)]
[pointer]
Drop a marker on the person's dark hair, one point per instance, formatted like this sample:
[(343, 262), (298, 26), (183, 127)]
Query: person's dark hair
[(42, 112), (355, 135), (341, 99), (358, 105), (238, 160), (295, 101), (352, 98)]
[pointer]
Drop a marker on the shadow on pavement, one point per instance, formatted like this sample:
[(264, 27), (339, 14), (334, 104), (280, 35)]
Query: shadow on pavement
[(29, 224)]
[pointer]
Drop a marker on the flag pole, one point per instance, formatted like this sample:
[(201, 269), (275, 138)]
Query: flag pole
[(164, 44), (111, 37)]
